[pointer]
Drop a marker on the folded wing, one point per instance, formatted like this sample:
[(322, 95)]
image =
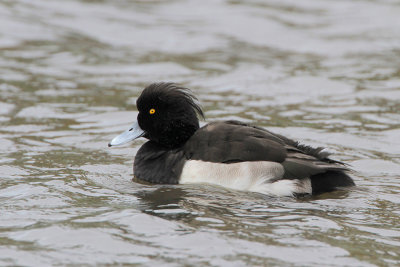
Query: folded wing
[(232, 141)]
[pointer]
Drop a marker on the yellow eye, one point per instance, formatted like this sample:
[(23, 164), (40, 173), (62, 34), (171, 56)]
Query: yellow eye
[(152, 111)]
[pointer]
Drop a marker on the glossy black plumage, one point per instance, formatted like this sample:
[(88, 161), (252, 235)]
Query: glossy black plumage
[(232, 141), (175, 118), (175, 138), (157, 164)]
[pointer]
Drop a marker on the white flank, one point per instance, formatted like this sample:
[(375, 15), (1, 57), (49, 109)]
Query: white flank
[(254, 176)]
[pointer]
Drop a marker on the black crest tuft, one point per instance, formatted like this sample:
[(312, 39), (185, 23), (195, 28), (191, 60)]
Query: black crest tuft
[(168, 92)]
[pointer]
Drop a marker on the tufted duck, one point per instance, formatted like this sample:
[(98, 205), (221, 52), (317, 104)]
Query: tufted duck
[(230, 153)]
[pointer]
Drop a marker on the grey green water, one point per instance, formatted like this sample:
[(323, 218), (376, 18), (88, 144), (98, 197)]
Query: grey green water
[(324, 72)]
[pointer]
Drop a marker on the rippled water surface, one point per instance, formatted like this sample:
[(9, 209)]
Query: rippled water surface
[(326, 73)]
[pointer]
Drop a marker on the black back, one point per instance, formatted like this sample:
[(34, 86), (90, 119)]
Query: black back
[(231, 141)]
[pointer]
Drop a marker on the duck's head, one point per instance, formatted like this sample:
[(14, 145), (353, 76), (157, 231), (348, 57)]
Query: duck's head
[(168, 116)]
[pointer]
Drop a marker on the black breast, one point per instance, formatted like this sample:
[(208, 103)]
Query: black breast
[(156, 164)]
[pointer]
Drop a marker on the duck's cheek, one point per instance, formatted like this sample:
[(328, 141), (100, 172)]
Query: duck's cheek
[(140, 120)]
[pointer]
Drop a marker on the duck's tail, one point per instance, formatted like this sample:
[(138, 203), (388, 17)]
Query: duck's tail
[(330, 181)]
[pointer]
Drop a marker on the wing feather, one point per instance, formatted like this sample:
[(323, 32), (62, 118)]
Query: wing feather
[(232, 141)]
